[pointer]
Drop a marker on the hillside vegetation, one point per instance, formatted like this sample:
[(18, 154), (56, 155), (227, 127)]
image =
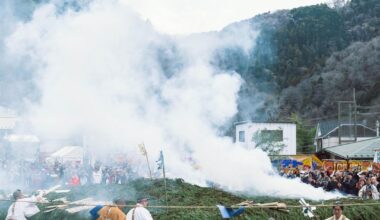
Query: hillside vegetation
[(308, 58)]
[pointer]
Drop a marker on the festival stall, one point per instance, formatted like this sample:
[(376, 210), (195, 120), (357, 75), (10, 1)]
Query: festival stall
[(351, 165), (67, 154)]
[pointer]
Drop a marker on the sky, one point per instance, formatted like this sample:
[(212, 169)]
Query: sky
[(193, 16)]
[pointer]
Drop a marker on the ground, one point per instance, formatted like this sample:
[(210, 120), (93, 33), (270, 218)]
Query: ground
[(184, 194)]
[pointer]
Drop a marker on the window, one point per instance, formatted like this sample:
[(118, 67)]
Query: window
[(274, 135), (241, 136)]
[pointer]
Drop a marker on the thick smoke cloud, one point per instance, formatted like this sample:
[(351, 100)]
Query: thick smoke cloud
[(108, 75)]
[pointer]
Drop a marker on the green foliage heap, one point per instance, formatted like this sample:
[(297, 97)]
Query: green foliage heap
[(184, 194)]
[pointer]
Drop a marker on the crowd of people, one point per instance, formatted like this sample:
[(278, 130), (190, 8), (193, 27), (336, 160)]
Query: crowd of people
[(33, 175), (364, 184), (42, 175)]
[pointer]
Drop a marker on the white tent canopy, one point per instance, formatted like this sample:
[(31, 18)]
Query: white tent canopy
[(22, 138), (67, 154)]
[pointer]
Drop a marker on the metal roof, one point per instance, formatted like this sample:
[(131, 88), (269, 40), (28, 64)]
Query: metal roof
[(360, 149), (263, 122), (328, 127), (22, 138)]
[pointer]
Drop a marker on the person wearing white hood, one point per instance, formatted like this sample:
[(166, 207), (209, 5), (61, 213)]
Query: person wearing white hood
[(23, 208), (140, 212), (338, 213)]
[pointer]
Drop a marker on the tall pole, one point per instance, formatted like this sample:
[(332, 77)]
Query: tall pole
[(145, 153), (351, 128), (150, 171), (164, 174), (339, 122), (355, 113)]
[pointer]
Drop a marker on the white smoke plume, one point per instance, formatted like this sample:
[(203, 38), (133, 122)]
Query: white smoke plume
[(105, 73)]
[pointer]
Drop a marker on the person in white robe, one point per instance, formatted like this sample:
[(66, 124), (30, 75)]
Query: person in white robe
[(23, 208), (97, 176), (140, 212), (338, 213)]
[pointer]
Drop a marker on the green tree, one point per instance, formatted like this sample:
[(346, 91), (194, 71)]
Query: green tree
[(270, 142), (305, 134)]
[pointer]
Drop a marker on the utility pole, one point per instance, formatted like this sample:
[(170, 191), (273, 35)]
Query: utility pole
[(339, 123), (355, 113), (350, 103)]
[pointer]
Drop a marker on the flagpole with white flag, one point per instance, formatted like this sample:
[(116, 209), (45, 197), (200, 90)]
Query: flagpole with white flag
[(376, 158), (161, 164)]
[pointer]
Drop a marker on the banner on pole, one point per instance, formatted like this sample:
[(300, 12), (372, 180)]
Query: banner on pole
[(376, 158), (160, 161), (142, 149)]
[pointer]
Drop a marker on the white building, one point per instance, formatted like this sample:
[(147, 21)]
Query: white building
[(283, 133)]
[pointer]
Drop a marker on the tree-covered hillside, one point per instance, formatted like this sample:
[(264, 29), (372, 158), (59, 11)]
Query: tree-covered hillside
[(306, 59)]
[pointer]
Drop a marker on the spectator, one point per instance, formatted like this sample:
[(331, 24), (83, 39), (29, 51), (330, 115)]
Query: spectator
[(348, 185), (359, 185), (323, 179), (332, 184), (369, 191), (375, 182)]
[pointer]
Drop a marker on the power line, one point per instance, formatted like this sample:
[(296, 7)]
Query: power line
[(324, 117), (368, 107), (369, 113), (253, 206)]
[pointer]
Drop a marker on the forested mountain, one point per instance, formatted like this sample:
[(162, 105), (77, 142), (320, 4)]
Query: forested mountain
[(306, 59)]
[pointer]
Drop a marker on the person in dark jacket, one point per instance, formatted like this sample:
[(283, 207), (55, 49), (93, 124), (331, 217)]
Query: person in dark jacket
[(348, 185), (332, 184)]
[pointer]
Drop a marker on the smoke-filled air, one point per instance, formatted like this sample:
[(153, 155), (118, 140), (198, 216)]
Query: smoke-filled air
[(104, 74)]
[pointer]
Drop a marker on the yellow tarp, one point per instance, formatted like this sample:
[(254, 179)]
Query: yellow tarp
[(307, 160)]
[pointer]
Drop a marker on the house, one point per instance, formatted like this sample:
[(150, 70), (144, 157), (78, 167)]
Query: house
[(15, 146), (327, 133), (20, 147), (7, 124), (281, 132)]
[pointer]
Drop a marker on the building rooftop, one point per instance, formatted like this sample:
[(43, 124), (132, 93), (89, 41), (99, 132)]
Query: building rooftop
[(331, 127), (268, 122), (357, 150)]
